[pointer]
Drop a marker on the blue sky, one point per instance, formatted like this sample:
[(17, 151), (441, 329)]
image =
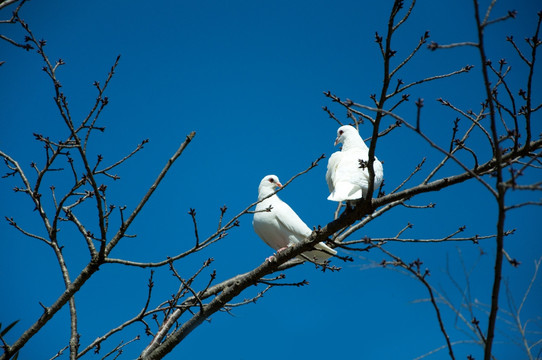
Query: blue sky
[(248, 77)]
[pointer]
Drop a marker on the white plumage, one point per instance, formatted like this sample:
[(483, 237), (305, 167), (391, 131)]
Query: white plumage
[(281, 226), (346, 177)]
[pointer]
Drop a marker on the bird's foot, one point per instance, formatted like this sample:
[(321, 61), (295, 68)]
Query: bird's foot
[(272, 257)]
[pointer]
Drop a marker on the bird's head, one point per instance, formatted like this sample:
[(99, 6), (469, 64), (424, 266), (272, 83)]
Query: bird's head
[(268, 185), (345, 132), (270, 182)]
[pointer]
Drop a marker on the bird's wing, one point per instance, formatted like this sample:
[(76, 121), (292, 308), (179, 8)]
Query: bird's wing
[(291, 223), (283, 227), (349, 179), (299, 231), (332, 164), (379, 173), (267, 226)]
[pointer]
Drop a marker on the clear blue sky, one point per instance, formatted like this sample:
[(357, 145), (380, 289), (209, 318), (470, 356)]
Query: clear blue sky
[(248, 77)]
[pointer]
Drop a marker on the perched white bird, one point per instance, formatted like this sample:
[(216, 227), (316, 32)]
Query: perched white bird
[(281, 226), (347, 172)]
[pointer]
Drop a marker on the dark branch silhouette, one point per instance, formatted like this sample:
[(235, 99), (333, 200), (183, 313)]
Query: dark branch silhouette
[(508, 151)]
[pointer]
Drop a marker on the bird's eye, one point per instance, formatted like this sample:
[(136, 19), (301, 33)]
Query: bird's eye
[(340, 132), (271, 180)]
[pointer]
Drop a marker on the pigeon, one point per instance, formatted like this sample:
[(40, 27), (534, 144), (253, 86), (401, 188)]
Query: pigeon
[(347, 172), (281, 227)]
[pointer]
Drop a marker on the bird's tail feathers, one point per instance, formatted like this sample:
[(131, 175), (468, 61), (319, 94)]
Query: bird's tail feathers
[(345, 191), (326, 249), (319, 255)]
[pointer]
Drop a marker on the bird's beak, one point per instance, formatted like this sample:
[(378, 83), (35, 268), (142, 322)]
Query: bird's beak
[(279, 185), (336, 141)]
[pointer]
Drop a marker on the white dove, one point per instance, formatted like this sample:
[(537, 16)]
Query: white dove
[(347, 173), (281, 226)]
